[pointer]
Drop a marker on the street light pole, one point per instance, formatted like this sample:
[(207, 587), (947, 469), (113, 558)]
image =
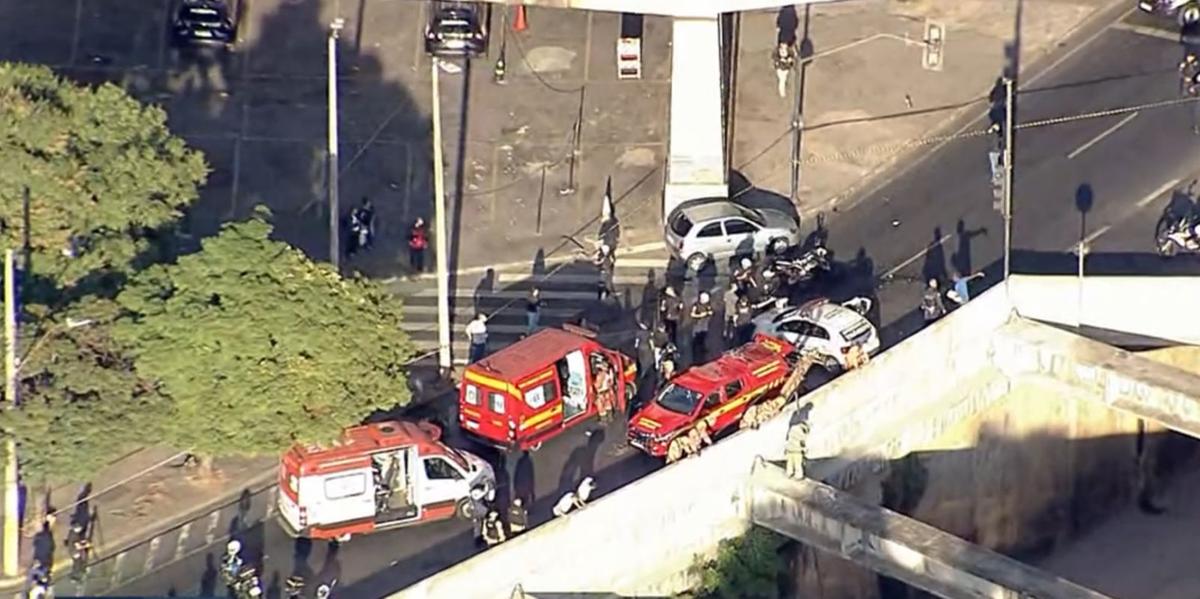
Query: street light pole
[(439, 224), (1008, 175), (335, 251), (12, 516)]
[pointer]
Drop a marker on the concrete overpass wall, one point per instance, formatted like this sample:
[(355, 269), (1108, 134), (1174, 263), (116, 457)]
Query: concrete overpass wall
[(901, 547), (696, 167), (1148, 306)]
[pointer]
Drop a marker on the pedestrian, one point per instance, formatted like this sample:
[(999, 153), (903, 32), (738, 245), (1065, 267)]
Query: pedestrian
[(80, 546), (730, 299), (605, 260), (564, 505), (533, 310), (960, 292), (518, 517), (477, 335), (932, 307), (493, 530), (796, 448), (418, 240), (784, 60), (701, 313), (584, 492), (1188, 69), (670, 308), (362, 226)]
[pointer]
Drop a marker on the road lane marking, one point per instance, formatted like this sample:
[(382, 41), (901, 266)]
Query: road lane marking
[(1103, 134), (151, 552), (181, 544), (1148, 31), (1141, 204), (210, 535), (916, 256)]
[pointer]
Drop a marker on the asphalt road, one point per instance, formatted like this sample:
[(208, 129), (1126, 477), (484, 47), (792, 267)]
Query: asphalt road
[(1084, 178)]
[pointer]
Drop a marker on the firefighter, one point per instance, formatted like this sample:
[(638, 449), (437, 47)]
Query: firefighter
[(603, 387), (493, 530), (518, 517), (700, 313), (796, 448)]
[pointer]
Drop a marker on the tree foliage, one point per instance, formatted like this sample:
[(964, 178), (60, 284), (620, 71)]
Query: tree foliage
[(746, 567), (256, 346), (102, 171), (83, 405)]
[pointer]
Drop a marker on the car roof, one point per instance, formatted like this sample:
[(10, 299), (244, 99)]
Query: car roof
[(711, 208), (530, 355), (821, 311)]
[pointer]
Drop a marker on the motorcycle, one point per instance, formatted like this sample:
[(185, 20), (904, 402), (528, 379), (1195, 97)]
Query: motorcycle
[(804, 268), (1175, 234)]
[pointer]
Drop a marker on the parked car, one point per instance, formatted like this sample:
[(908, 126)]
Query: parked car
[(456, 30), (1184, 11), (822, 327), (205, 23), (698, 231)]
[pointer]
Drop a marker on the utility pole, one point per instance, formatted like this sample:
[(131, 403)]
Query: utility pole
[(439, 225), (335, 251), (1008, 175), (12, 518)]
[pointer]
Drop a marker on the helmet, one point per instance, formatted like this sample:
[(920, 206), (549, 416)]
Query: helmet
[(933, 283), (517, 502), (704, 296), (492, 515), (233, 547), (746, 263)]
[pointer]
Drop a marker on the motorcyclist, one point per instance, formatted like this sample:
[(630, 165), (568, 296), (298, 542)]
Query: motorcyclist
[(232, 562), (1189, 69)]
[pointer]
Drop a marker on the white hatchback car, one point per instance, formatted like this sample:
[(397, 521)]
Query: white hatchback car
[(823, 327), (716, 228)]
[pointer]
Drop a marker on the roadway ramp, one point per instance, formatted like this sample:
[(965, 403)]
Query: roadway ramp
[(893, 545)]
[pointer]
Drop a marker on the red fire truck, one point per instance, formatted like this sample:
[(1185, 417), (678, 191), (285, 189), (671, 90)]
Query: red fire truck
[(378, 476), (542, 385), (717, 393)]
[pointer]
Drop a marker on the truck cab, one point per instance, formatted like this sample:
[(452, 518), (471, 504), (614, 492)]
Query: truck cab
[(717, 393), (377, 476)]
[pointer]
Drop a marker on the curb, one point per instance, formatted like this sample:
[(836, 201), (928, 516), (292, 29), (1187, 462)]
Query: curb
[(132, 540), (885, 172)]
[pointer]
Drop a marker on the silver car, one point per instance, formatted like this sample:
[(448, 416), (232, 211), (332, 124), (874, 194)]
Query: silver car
[(821, 327), (698, 231)]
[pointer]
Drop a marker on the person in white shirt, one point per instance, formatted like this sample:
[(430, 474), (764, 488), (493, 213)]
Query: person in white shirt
[(477, 335), (564, 505), (584, 492)]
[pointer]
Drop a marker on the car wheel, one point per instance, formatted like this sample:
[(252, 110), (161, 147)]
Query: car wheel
[(463, 509), (830, 364), (696, 261), (778, 245), (1189, 14)]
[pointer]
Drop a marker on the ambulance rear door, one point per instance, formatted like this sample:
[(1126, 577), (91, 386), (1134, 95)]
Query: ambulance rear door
[(344, 496)]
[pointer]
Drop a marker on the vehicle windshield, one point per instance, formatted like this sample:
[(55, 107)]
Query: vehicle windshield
[(458, 457), (678, 399), (680, 225), (454, 27), (751, 215), (195, 14)]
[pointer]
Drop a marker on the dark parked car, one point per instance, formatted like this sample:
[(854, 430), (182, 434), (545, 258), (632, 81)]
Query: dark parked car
[(205, 23), (456, 30)]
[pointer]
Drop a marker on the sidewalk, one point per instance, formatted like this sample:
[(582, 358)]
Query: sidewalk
[(131, 502), (863, 103)]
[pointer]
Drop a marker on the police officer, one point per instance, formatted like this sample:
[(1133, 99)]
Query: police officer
[(605, 260), (743, 277), (744, 328), (493, 530), (518, 517), (670, 309), (701, 315)]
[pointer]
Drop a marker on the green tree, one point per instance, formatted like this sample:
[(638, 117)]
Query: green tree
[(746, 567), (103, 173), (82, 403), (256, 346)]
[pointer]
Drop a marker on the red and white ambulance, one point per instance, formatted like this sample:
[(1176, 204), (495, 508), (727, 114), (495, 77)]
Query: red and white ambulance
[(375, 477)]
